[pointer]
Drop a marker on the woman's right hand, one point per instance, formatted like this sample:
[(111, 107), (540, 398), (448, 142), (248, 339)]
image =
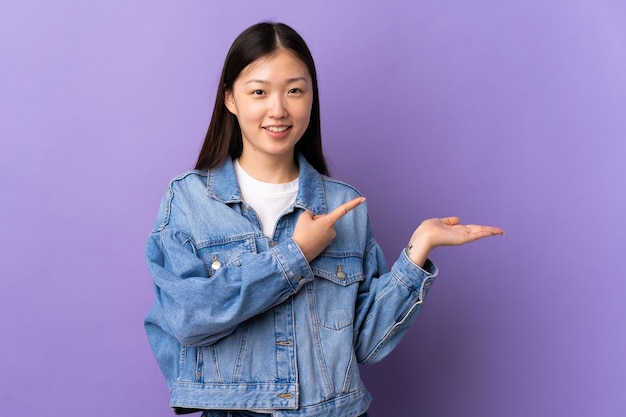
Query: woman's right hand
[(313, 233)]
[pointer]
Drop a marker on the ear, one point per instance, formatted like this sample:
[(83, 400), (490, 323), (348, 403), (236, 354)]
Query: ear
[(229, 102)]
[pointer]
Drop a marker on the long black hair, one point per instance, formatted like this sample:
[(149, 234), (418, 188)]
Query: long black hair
[(223, 138)]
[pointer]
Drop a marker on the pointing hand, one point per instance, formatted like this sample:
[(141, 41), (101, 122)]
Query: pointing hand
[(313, 233)]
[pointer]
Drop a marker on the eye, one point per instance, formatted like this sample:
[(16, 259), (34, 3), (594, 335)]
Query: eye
[(295, 91), (258, 92)]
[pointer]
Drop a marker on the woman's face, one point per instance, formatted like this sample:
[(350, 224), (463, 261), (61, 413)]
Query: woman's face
[(272, 99)]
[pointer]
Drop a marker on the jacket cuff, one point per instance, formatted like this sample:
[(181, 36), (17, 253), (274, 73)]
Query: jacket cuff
[(418, 279), (293, 264)]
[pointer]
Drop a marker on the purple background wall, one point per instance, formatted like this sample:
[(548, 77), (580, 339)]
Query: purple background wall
[(502, 112)]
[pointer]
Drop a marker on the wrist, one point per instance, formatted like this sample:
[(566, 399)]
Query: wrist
[(417, 253)]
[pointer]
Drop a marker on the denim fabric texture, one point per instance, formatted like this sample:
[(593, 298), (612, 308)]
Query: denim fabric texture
[(244, 322)]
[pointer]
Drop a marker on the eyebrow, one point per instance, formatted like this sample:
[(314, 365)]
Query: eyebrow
[(289, 81)]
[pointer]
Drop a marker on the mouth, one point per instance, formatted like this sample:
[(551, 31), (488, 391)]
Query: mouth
[(276, 129)]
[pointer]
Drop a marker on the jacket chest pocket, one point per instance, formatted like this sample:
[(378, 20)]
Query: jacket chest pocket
[(335, 289), (222, 253)]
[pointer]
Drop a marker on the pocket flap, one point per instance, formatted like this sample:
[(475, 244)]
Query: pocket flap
[(340, 269)]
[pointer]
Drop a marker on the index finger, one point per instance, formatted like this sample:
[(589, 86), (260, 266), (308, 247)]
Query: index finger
[(344, 209)]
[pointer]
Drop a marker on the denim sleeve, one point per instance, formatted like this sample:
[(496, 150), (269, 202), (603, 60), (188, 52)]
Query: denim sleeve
[(388, 302), (198, 310)]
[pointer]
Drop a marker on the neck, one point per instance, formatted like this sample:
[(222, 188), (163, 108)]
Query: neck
[(271, 170)]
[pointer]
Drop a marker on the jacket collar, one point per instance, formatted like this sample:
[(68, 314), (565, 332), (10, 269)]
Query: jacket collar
[(222, 185)]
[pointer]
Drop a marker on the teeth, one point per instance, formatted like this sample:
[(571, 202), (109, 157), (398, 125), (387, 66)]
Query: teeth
[(277, 129)]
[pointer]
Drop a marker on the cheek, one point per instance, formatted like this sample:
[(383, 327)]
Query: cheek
[(303, 113), (250, 113)]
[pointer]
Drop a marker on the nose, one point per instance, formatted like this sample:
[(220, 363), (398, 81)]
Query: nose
[(277, 108)]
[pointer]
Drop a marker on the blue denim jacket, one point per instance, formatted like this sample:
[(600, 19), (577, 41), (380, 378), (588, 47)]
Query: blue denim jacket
[(244, 322)]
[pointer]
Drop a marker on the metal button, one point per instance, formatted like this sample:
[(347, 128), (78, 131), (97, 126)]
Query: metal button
[(340, 273), (216, 263)]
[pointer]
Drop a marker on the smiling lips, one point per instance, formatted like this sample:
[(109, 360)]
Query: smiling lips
[(278, 132), (276, 129)]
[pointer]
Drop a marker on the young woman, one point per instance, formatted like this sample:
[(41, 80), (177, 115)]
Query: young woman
[(270, 287)]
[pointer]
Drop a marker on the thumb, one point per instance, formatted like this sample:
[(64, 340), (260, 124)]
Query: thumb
[(451, 221), (308, 214)]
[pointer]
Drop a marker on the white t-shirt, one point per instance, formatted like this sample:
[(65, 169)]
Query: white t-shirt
[(268, 200)]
